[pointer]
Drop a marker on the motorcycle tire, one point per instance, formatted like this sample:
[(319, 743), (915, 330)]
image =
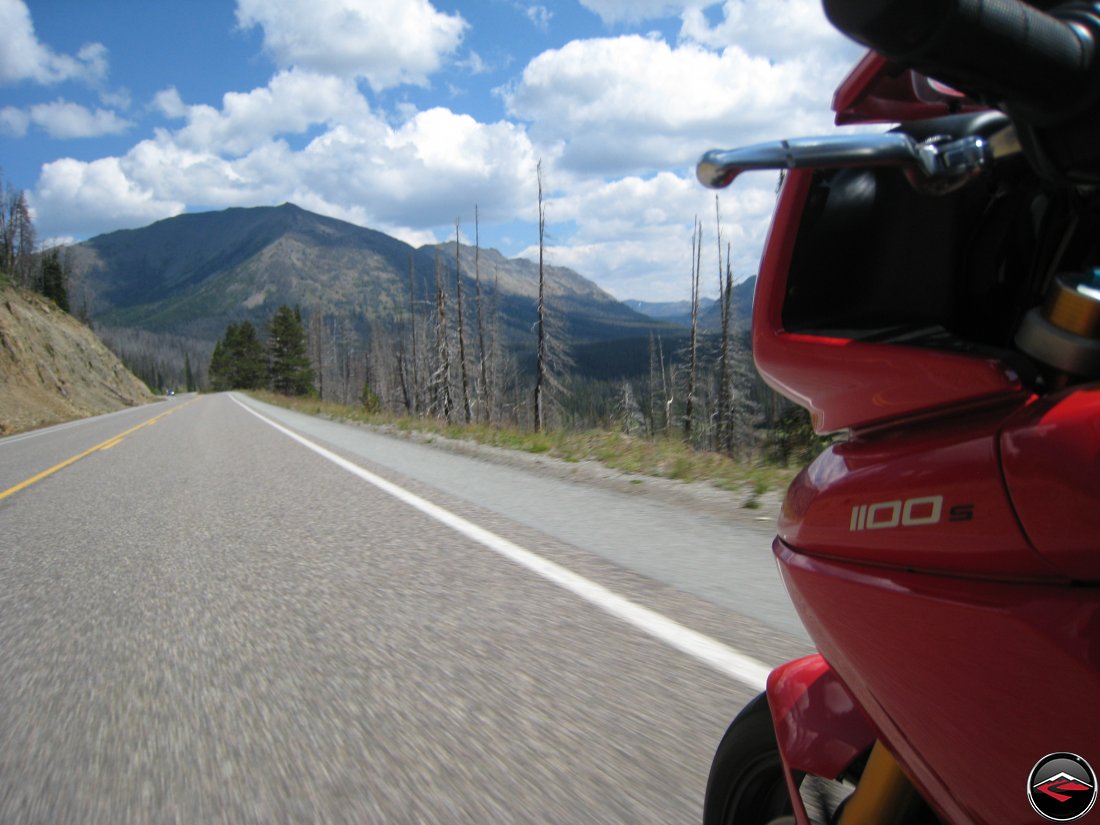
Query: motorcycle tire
[(746, 785)]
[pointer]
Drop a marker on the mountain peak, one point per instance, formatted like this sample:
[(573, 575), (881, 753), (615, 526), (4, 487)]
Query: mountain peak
[(193, 274)]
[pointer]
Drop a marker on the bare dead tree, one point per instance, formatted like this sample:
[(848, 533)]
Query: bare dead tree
[(653, 384), (467, 413), (17, 238), (441, 378), (553, 359), (668, 388), (725, 290), (540, 359), (693, 346), (412, 395), (483, 354), (316, 348), (744, 409), (498, 369)]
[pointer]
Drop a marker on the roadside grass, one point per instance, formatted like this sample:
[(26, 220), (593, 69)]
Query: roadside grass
[(660, 457)]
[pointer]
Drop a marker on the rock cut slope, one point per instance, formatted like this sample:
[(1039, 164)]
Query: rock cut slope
[(53, 368)]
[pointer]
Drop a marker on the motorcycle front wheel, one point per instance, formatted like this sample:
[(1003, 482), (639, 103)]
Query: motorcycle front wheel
[(746, 785)]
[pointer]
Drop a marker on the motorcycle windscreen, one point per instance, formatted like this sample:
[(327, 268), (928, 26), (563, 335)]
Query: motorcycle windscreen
[(876, 302)]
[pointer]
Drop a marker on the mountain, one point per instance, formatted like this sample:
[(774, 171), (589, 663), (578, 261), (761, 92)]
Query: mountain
[(53, 368), (710, 313), (193, 274), (672, 311)]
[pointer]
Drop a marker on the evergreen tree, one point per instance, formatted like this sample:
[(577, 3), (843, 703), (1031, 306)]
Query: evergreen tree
[(238, 360), (251, 372), (221, 367), (54, 279), (291, 373)]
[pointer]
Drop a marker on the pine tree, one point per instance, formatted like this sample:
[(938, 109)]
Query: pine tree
[(291, 373), (188, 373), (220, 368), (54, 279), (238, 360)]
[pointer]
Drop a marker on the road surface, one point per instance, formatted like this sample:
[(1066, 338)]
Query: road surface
[(212, 610)]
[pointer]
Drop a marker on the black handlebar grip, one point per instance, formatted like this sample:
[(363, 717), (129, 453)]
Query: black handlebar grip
[(1001, 50)]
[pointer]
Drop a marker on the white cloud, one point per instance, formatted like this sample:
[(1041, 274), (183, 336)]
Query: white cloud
[(24, 58), (14, 122), (619, 123), (473, 63), (423, 174), (169, 103), (94, 197), (540, 17), (291, 103), (617, 11), (646, 109), (411, 178), (634, 234), (777, 28), (631, 103), (387, 42), (62, 119)]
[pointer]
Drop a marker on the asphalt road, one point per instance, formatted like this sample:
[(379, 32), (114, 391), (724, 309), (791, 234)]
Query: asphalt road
[(209, 616)]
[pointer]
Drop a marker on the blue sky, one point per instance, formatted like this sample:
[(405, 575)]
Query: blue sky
[(403, 115)]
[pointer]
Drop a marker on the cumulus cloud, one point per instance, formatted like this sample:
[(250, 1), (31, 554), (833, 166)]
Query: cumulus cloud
[(169, 103), (617, 121), (291, 103), (778, 28), (387, 42), (632, 103), (24, 58), (422, 174), (63, 120), (96, 196), (629, 116), (634, 233), (355, 165)]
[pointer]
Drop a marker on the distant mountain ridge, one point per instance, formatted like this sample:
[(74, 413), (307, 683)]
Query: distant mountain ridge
[(193, 274), (710, 313)]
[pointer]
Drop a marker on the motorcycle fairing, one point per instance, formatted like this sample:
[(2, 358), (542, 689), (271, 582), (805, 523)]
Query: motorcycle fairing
[(875, 91), (1051, 455), (969, 681), (927, 497), (819, 728), (848, 377)]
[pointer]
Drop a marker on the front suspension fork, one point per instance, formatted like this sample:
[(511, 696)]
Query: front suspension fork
[(884, 795), (821, 730)]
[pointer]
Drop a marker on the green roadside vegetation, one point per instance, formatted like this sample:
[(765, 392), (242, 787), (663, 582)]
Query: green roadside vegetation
[(660, 457)]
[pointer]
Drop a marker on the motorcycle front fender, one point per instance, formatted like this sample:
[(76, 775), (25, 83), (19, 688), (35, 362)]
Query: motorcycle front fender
[(818, 725)]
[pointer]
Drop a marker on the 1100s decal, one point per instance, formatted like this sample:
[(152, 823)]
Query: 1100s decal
[(909, 512)]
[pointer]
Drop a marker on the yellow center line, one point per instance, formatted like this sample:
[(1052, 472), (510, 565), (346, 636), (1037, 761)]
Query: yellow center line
[(103, 445)]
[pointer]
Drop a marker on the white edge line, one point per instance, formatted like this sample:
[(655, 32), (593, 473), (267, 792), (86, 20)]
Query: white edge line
[(721, 657)]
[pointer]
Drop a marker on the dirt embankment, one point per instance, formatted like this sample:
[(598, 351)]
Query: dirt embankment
[(53, 368)]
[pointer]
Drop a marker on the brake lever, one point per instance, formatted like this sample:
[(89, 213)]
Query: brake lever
[(937, 165)]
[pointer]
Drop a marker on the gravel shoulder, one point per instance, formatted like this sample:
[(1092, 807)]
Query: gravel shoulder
[(742, 506)]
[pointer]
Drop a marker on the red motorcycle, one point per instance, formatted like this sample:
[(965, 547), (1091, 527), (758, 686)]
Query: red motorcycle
[(933, 293)]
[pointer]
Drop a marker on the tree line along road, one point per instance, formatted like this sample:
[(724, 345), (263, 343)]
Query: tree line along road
[(215, 611)]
